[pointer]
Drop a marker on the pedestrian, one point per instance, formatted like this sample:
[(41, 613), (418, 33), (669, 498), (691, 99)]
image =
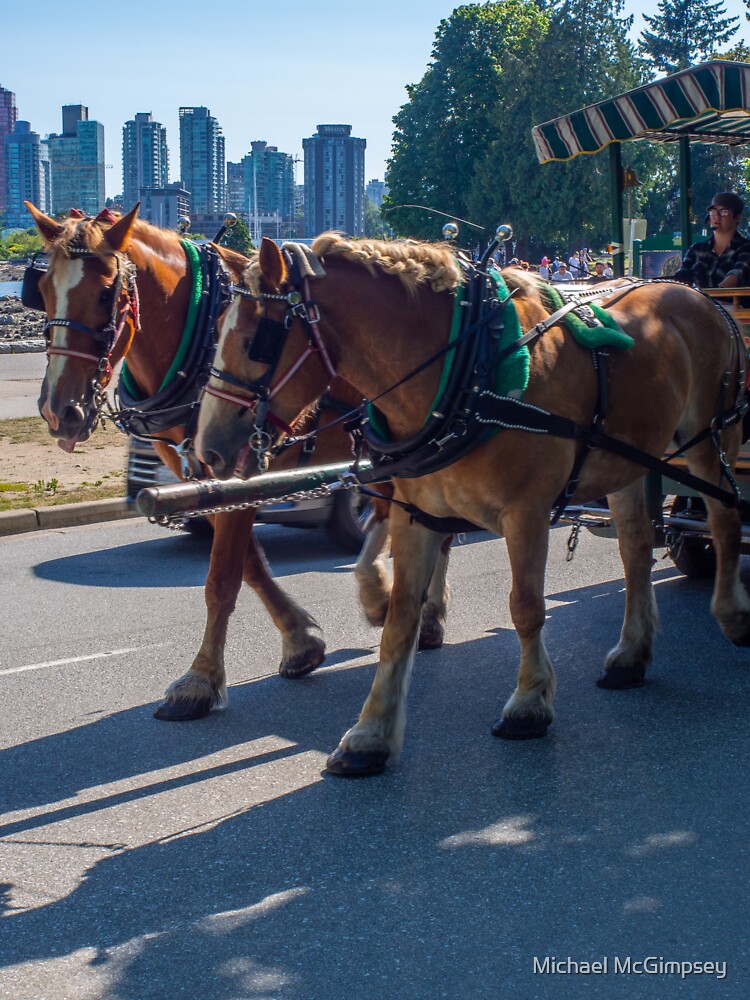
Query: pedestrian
[(576, 268), (562, 273), (609, 270), (544, 269), (598, 276)]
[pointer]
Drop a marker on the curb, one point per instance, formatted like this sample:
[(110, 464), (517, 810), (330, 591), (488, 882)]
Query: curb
[(35, 346), (15, 522)]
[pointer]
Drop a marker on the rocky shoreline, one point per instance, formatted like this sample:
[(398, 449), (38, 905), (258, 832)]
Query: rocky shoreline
[(21, 329)]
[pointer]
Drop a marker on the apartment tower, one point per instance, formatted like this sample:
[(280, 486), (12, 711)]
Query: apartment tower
[(334, 181)]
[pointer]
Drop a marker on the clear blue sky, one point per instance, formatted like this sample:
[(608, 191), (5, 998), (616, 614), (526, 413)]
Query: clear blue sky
[(265, 70)]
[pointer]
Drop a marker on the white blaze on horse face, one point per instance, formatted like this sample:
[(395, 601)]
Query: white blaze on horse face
[(67, 276)]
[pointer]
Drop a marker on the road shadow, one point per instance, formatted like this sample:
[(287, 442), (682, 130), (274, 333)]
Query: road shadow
[(445, 876), (180, 559)]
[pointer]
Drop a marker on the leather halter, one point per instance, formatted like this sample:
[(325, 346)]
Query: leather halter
[(108, 336), (266, 348)]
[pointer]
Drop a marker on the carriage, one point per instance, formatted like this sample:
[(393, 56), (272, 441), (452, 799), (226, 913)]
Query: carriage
[(709, 103)]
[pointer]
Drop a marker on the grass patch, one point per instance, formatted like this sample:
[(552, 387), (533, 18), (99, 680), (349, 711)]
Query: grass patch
[(34, 473)]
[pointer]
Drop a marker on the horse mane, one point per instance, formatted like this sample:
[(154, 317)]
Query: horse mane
[(90, 235), (529, 284), (414, 263)]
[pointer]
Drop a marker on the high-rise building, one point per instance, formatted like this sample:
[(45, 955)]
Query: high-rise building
[(145, 158), (236, 200), (77, 163), (334, 181), (24, 177), (376, 190), (202, 163), (164, 206), (268, 177), (8, 117)]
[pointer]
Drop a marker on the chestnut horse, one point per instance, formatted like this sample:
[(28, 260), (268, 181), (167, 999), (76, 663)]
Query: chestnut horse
[(385, 310), (84, 286)]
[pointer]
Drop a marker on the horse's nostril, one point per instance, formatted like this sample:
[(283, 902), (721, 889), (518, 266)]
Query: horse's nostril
[(72, 415)]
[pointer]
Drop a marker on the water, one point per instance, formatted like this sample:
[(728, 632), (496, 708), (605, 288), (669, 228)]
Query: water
[(10, 288)]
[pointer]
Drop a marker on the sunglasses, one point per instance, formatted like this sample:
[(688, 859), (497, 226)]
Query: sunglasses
[(721, 212)]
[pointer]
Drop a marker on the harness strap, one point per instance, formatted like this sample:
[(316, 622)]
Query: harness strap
[(515, 414)]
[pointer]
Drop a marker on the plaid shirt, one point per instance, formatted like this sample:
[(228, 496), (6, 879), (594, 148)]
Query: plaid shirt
[(704, 269)]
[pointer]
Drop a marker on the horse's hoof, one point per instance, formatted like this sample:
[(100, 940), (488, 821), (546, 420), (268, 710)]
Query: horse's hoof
[(183, 711), (430, 640), (303, 663), (356, 763), (622, 678), (515, 728)]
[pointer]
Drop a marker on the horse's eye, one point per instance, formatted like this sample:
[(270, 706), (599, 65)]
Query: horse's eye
[(105, 297)]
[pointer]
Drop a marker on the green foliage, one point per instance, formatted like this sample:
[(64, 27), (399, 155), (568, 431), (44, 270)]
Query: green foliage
[(375, 225), (584, 56), (238, 238), (21, 243), (462, 141), (684, 33), (478, 58)]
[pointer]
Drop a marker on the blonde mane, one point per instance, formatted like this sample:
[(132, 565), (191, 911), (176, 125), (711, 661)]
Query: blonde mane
[(414, 263), (92, 234)]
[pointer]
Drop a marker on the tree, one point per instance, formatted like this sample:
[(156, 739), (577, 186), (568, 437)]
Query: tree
[(23, 242), (684, 33), (375, 226), (444, 129), (238, 238), (583, 57)]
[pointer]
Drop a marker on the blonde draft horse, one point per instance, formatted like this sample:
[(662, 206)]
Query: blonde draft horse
[(384, 310), (85, 258)]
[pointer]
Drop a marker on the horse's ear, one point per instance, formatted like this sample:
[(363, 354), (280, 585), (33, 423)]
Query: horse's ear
[(117, 237), (48, 228), (272, 266), (233, 261)]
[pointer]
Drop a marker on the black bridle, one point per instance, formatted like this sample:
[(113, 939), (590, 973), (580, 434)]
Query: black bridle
[(266, 348), (107, 336)]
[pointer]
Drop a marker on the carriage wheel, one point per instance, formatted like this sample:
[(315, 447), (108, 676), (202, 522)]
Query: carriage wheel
[(694, 557), (348, 516)]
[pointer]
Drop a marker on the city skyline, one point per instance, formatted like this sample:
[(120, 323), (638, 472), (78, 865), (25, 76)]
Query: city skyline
[(276, 79)]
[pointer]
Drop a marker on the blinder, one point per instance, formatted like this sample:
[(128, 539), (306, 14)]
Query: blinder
[(31, 296), (268, 342)]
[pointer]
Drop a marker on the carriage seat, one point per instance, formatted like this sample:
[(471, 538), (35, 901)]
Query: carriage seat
[(735, 300)]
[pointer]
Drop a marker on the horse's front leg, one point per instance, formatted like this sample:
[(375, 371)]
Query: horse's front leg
[(204, 686), (530, 709), (378, 735), (625, 665), (302, 649)]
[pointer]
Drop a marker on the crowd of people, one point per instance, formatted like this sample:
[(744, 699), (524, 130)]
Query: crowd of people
[(581, 266), (722, 261)]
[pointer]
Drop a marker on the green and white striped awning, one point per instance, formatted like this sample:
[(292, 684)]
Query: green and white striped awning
[(707, 103)]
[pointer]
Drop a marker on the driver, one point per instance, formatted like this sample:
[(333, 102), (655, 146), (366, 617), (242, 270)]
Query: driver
[(724, 260)]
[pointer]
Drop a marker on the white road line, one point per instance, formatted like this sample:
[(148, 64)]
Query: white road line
[(75, 659)]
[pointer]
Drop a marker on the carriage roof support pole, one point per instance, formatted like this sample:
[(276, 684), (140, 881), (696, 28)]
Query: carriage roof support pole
[(686, 194), (616, 206)]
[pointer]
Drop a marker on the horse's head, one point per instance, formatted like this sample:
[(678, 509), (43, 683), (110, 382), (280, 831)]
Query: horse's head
[(88, 295), (261, 387)]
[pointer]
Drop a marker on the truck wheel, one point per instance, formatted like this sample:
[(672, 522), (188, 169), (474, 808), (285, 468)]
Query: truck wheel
[(348, 516)]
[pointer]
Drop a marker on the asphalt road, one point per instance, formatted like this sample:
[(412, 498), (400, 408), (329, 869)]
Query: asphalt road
[(20, 380), (215, 860)]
